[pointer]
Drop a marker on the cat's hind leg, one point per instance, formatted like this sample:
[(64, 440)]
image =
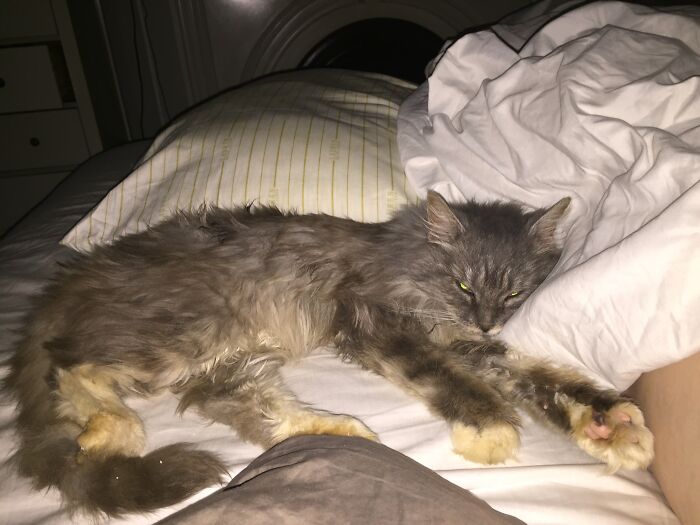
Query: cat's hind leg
[(250, 396), (87, 395)]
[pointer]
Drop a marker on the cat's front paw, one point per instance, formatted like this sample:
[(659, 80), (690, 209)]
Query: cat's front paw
[(489, 444), (616, 436)]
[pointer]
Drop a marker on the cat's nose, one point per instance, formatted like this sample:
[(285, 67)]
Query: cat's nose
[(485, 326)]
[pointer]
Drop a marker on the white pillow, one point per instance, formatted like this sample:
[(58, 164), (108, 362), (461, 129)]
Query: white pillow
[(311, 141)]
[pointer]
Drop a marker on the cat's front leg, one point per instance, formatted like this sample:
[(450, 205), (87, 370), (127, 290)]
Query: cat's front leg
[(616, 435), (484, 426), (605, 424), (488, 444)]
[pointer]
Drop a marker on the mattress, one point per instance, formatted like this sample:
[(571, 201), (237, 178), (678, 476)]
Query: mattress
[(550, 482)]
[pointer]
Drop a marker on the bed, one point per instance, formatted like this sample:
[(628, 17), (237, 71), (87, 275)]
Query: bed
[(326, 141)]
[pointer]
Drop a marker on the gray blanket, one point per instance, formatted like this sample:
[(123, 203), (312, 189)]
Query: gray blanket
[(338, 480)]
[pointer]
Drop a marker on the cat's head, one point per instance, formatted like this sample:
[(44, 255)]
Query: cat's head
[(488, 258)]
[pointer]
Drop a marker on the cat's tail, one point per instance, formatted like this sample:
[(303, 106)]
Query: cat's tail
[(117, 485), (48, 453)]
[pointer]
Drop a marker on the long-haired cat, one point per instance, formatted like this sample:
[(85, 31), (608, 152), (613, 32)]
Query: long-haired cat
[(210, 304)]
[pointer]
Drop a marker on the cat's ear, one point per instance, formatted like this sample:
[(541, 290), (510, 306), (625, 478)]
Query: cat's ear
[(545, 227), (443, 225)]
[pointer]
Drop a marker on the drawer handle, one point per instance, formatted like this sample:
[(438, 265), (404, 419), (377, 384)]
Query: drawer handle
[(2, 82), (34, 141)]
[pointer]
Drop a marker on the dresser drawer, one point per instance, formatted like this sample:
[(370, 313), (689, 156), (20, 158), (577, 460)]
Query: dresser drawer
[(42, 139), (28, 81), (26, 18)]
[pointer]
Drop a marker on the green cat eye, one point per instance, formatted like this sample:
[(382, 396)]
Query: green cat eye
[(463, 286), (514, 294)]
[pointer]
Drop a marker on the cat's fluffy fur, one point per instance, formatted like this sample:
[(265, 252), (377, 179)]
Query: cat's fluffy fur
[(210, 305)]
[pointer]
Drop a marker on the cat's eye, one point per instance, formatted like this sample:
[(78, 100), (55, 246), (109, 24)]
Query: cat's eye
[(464, 287), (512, 295)]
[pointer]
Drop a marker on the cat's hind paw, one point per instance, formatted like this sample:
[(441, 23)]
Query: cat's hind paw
[(107, 433), (314, 422), (488, 445), (617, 436)]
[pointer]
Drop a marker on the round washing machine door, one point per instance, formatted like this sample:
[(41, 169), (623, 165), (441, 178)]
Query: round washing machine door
[(369, 34), (383, 45)]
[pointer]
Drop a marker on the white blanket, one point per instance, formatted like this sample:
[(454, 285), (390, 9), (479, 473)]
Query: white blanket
[(603, 105)]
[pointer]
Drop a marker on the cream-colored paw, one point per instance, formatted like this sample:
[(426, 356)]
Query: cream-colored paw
[(308, 422), (107, 433), (617, 437), (490, 444)]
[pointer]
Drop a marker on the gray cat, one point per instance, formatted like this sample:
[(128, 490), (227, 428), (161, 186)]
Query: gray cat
[(210, 304)]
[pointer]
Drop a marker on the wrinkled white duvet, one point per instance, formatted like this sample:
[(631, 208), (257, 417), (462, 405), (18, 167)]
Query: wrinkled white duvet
[(603, 105)]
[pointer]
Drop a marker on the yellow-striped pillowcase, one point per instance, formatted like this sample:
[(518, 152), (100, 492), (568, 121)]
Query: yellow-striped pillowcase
[(311, 141)]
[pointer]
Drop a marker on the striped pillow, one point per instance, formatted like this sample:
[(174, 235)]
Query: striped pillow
[(311, 141)]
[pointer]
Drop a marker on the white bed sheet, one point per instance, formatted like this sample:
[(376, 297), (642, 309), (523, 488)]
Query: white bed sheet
[(552, 482)]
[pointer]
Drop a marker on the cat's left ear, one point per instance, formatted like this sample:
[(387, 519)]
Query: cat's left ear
[(443, 225), (545, 227)]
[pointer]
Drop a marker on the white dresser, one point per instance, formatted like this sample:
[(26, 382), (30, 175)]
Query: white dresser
[(48, 118)]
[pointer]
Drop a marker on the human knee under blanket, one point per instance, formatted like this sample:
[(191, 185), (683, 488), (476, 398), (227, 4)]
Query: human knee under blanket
[(600, 104)]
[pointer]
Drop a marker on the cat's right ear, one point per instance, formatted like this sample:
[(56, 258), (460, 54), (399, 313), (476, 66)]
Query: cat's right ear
[(443, 225), (545, 226)]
